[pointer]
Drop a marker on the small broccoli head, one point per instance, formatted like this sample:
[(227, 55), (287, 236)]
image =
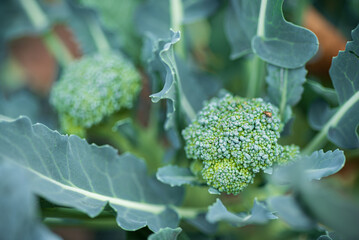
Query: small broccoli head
[(92, 88), (235, 138), (290, 153)]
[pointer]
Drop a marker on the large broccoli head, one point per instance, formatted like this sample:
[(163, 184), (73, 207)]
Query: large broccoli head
[(92, 88), (235, 138)]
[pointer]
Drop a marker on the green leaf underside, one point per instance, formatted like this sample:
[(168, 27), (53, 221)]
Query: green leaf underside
[(175, 176), (165, 234), (288, 210), (259, 27), (344, 73), (314, 167), (285, 87), (259, 215), (68, 171), (344, 208), (18, 216)]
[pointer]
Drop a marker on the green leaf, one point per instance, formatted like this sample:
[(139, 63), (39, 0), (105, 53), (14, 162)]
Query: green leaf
[(195, 10), (88, 29), (319, 114), (327, 94), (285, 87), (20, 103), (314, 167), (166, 234), (18, 207), (175, 175), (26, 103), (152, 16), (117, 17), (259, 27), (15, 23), (66, 170), (332, 208), (259, 215), (279, 42), (342, 127), (344, 73), (241, 25), (201, 223), (323, 164), (126, 128), (288, 210), (172, 89)]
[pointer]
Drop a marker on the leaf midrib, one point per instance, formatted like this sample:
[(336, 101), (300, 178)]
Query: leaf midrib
[(146, 207)]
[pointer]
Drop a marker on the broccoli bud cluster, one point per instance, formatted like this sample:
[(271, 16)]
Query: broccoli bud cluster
[(235, 138), (92, 88)]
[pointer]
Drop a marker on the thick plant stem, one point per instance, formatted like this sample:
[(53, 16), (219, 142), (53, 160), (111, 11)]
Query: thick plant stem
[(256, 80), (51, 40), (98, 36), (261, 19), (321, 138), (176, 11)]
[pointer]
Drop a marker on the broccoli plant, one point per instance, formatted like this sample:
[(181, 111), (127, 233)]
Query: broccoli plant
[(178, 119), (93, 88)]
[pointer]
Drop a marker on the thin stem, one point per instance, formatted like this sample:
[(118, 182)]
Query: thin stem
[(176, 10), (98, 36), (51, 40), (321, 138), (283, 103), (256, 79), (35, 14), (261, 19), (57, 48)]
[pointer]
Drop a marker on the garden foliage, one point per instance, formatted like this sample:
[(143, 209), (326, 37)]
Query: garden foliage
[(214, 150)]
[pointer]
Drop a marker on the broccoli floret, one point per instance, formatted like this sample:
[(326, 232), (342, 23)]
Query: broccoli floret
[(235, 138), (92, 88), (290, 153)]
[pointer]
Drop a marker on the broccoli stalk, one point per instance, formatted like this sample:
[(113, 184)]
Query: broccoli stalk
[(234, 138)]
